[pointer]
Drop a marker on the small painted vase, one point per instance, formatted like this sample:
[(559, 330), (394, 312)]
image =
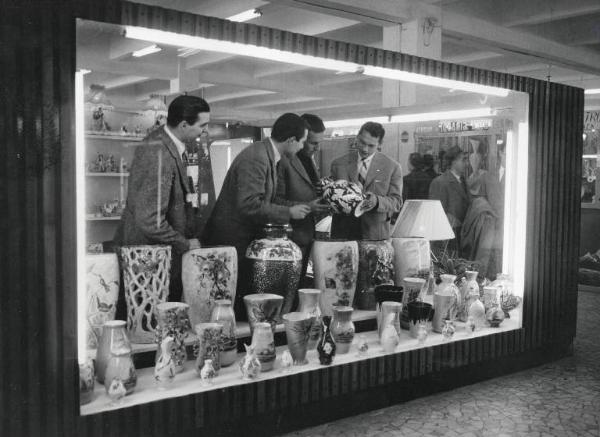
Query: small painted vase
[(342, 329), (250, 365), (383, 311), (362, 346), (297, 330), (422, 333), (445, 302), (448, 330), (286, 361), (326, 347), (263, 343), (165, 367), (116, 390), (121, 366), (207, 373), (208, 346), (113, 337), (389, 336), (223, 314), (309, 304), (490, 297), (477, 312), (86, 382), (174, 321)]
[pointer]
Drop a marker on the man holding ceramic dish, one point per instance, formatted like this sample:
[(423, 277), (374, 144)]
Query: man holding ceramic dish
[(380, 179)]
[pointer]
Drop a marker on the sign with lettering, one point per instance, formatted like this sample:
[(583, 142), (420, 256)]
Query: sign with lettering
[(464, 125), (591, 120)]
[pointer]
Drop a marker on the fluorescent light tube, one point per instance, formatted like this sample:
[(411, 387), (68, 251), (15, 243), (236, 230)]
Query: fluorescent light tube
[(592, 91), (146, 51), (355, 122), (248, 15)]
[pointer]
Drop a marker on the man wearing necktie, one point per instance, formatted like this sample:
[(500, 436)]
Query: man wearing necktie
[(157, 209), (450, 189), (381, 181)]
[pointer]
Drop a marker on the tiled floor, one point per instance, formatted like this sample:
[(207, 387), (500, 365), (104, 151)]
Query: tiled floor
[(557, 399)]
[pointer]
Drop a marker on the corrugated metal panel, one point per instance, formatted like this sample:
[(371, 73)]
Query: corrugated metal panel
[(38, 321)]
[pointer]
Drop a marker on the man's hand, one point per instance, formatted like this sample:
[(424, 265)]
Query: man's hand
[(194, 243), (370, 202), (298, 212), (318, 207)]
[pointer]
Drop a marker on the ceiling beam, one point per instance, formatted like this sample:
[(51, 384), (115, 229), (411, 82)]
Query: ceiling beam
[(471, 57), (525, 13)]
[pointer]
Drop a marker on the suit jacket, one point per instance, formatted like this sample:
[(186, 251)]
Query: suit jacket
[(246, 202), (294, 185), (156, 211), (416, 185), (453, 195), (384, 179)]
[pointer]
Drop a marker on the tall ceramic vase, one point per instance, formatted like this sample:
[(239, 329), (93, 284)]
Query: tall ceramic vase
[(335, 264), (468, 287), (173, 321), (114, 336), (146, 280), (263, 308), (342, 329), (376, 267), (208, 274), (263, 343), (275, 265), (120, 366), (445, 302), (413, 289), (208, 346), (223, 314), (383, 311), (102, 290), (412, 258), (297, 330), (309, 304)]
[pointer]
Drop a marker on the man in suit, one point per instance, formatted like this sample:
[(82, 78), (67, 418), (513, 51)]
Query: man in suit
[(381, 180), (416, 183), (450, 189), (159, 198), (247, 199), (297, 179)]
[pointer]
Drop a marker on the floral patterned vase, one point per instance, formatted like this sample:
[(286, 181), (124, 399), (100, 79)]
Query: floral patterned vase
[(468, 287), (376, 267), (208, 274), (223, 314), (412, 258), (275, 265), (173, 321), (343, 197), (208, 346), (309, 304), (263, 343), (413, 289), (86, 382), (342, 329), (146, 281), (326, 347), (508, 300), (297, 331), (263, 308), (335, 264), (121, 366), (102, 290), (445, 302), (113, 337)]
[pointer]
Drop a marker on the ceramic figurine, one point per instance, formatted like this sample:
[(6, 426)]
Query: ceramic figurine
[(207, 373), (422, 333), (165, 368), (362, 346), (470, 324), (477, 311), (326, 346), (250, 365), (468, 287), (116, 390), (286, 361), (389, 336), (448, 330)]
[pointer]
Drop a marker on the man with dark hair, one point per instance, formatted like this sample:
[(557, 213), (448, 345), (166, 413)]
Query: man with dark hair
[(246, 202), (297, 178), (158, 206), (450, 189), (416, 183), (381, 181)]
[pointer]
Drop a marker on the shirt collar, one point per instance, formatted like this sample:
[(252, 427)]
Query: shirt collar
[(367, 160), (457, 176), (180, 146), (275, 151)]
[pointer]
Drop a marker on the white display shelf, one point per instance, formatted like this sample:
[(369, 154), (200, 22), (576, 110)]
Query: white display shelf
[(107, 174), (188, 382), (97, 136), (93, 218)]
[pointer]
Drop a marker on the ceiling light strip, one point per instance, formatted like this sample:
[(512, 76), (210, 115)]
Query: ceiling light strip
[(146, 51), (248, 15)]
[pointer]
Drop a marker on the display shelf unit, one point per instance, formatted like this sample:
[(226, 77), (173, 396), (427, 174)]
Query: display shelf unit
[(106, 175), (104, 218)]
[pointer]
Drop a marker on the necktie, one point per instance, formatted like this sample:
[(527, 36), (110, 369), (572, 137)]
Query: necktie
[(184, 158), (362, 173)]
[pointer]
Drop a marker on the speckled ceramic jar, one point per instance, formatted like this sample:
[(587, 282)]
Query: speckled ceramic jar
[(376, 267)]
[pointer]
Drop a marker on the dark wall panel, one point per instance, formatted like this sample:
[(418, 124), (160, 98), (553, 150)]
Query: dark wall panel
[(38, 384)]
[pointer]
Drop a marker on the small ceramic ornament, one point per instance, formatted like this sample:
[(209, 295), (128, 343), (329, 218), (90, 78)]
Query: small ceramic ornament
[(471, 324), (116, 390), (422, 333), (250, 365), (208, 373), (286, 361), (494, 316), (326, 346), (165, 368), (389, 337), (363, 347), (448, 330)]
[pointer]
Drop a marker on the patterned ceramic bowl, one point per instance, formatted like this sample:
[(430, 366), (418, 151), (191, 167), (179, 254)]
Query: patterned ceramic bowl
[(344, 197)]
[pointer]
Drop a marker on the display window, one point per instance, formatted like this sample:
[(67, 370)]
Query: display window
[(223, 239)]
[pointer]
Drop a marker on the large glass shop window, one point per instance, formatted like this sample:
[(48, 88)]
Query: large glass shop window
[(197, 267)]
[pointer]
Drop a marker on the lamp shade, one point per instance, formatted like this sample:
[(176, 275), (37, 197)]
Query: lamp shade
[(425, 219)]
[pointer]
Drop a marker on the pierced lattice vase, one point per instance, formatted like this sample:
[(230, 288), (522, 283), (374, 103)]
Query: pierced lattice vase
[(146, 282)]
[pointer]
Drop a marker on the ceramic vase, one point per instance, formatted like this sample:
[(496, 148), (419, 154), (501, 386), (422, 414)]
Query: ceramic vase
[(468, 287), (309, 305), (208, 274), (86, 382), (208, 372), (326, 347), (174, 321), (389, 338), (508, 300), (419, 313), (121, 366), (146, 282), (263, 308), (102, 290), (445, 302), (250, 364), (208, 346), (297, 331), (477, 311), (376, 267), (342, 329), (388, 293), (343, 197), (489, 297), (335, 264), (114, 337), (412, 258), (383, 311), (275, 264), (413, 289), (263, 344), (165, 368), (223, 313), (494, 316)]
